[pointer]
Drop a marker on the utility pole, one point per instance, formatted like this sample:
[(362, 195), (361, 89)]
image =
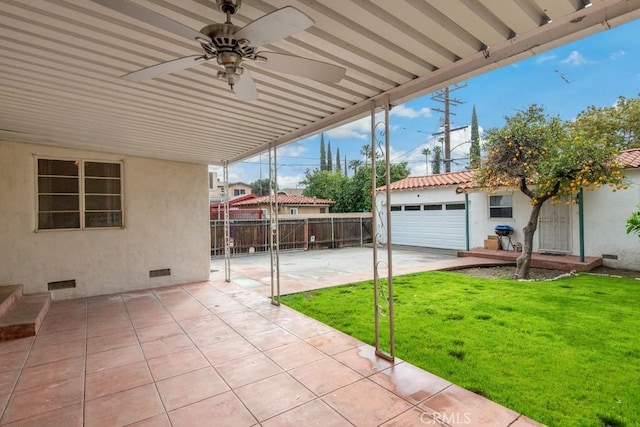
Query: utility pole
[(444, 96)]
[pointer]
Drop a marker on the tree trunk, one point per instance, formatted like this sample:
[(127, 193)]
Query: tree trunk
[(524, 261)]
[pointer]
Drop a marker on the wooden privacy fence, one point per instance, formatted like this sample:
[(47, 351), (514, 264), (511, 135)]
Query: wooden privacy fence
[(297, 232)]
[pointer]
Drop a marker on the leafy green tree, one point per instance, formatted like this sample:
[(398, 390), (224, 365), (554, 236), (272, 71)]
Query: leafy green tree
[(325, 185), (260, 187), (358, 190), (323, 154), (619, 124), (436, 163), (350, 194), (474, 151), (329, 158), (338, 166), (546, 159), (633, 223)]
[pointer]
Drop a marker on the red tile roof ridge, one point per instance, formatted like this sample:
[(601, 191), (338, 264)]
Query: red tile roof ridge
[(630, 158), (288, 199), (436, 180)]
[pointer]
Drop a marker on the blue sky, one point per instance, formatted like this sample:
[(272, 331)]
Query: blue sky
[(592, 71)]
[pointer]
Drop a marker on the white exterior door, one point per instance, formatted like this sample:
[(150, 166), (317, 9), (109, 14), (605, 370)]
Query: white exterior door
[(554, 227), (435, 225)]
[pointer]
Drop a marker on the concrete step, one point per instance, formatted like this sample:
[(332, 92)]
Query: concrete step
[(24, 317), (9, 294)]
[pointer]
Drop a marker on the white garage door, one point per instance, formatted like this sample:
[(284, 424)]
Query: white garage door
[(433, 226)]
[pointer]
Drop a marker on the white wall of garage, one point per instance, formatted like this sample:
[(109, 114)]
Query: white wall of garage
[(443, 228)]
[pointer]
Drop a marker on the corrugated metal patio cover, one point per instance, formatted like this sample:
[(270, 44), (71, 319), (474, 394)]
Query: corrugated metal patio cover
[(60, 62)]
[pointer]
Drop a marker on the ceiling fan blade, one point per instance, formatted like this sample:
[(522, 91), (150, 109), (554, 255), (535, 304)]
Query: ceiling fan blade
[(245, 89), (304, 67), (164, 68), (274, 26), (150, 17)]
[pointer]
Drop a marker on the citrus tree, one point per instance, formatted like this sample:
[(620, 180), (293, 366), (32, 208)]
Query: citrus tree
[(547, 160)]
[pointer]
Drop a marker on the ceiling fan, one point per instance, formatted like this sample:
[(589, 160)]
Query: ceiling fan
[(230, 46)]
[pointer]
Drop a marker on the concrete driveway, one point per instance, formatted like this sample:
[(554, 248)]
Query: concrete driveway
[(306, 270)]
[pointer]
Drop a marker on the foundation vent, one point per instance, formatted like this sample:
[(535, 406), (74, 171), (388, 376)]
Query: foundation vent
[(160, 273), (61, 284), (609, 256)]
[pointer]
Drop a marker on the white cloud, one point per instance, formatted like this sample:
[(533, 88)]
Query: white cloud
[(545, 58), (617, 55), (411, 113), (574, 59), (235, 174), (359, 129), (292, 150), (289, 181)]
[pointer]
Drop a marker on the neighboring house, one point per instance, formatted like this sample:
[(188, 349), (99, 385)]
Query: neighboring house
[(292, 191), (216, 189), (238, 189), (216, 210), (430, 211), (427, 211), (289, 205)]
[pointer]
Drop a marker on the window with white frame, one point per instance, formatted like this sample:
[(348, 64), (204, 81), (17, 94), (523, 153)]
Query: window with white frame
[(239, 192), (293, 211), (501, 206), (79, 194)]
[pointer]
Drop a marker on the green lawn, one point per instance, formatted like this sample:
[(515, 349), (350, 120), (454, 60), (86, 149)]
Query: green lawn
[(565, 352)]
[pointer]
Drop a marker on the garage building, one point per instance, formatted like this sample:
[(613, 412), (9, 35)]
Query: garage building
[(427, 212)]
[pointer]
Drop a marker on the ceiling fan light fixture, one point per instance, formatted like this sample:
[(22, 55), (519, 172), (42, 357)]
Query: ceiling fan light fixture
[(230, 45)]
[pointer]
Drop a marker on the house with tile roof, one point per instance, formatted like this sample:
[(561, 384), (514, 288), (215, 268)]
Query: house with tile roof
[(450, 211), (289, 204)]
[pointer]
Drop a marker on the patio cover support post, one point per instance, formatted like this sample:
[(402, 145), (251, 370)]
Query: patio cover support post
[(227, 224), (274, 232), (466, 217), (383, 289), (581, 222)]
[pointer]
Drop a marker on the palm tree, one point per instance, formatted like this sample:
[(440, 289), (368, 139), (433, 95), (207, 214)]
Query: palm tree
[(366, 152), (355, 165), (437, 160), (426, 152)]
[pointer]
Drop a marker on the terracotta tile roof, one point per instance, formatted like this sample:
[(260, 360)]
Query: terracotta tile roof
[(630, 158), (416, 182), (286, 199), (464, 180)]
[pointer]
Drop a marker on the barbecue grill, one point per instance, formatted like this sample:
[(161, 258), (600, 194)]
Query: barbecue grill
[(505, 231)]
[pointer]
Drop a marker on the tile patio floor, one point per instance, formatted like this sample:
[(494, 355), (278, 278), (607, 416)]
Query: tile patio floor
[(215, 354)]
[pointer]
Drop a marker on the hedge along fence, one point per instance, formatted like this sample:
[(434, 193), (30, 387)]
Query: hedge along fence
[(297, 232)]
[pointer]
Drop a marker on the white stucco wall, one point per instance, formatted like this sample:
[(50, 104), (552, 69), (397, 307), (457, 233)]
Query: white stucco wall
[(605, 215), (481, 226), (605, 219), (166, 214), (443, 194)]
